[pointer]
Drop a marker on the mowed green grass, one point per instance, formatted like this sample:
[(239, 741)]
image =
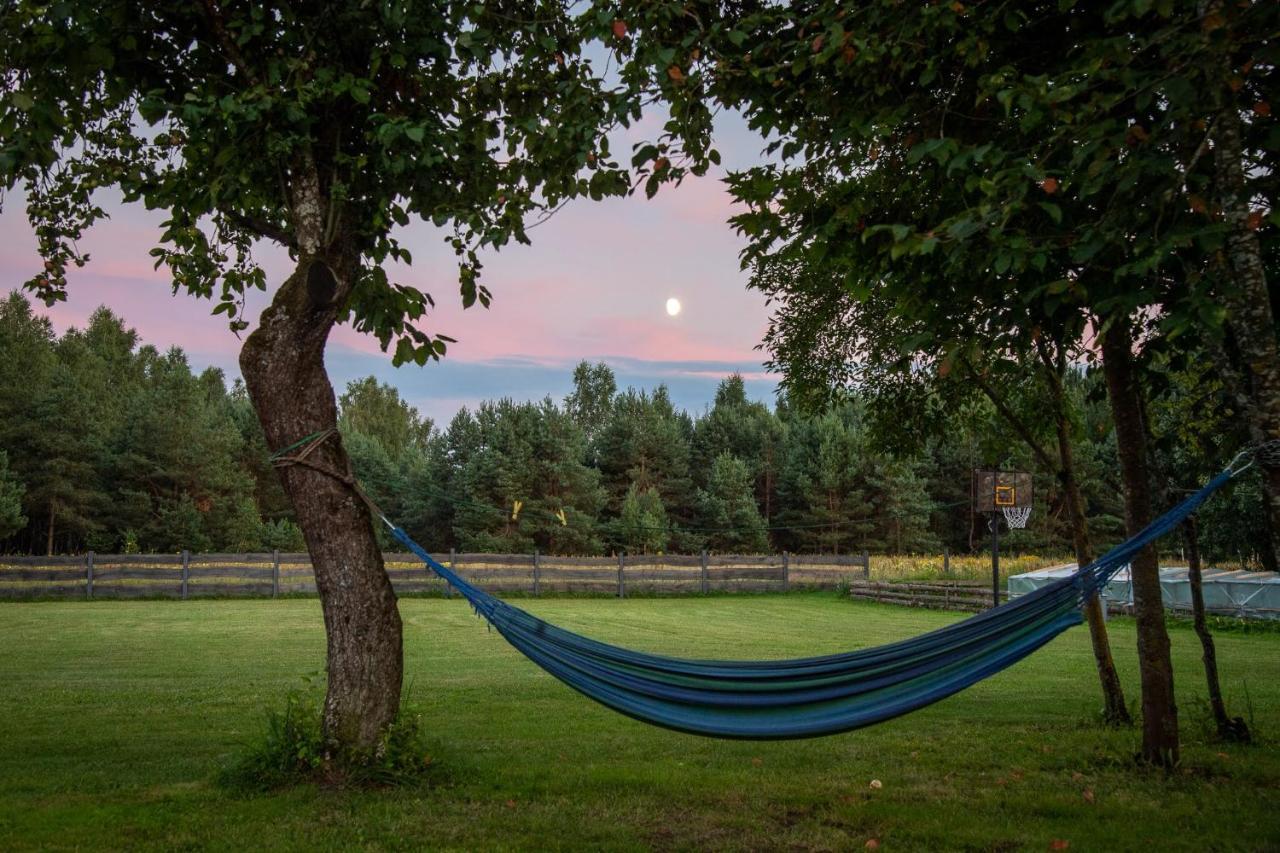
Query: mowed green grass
[(116, 716)]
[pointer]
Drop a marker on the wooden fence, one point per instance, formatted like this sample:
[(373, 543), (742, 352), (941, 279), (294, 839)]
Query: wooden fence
[(186, 575), (970, 596)]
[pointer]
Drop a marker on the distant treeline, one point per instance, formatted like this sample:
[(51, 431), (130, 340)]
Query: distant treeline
[(111, 445)]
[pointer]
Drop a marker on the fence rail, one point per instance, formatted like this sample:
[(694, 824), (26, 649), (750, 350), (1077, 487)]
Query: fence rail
[(186, 575), (968, 596)]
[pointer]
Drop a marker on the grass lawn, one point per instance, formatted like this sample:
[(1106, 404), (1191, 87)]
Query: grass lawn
[(115, 717)]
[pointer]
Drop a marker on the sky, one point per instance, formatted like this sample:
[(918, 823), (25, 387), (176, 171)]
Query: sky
[(593, 285)]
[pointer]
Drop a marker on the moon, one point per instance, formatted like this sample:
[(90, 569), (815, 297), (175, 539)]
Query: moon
[(673, 307)]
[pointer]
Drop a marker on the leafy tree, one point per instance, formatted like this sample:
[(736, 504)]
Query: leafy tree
[(376, 410), (321, 130), (1048, 157), (589, 404)]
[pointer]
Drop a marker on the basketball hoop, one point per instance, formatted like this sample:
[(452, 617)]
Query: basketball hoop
[(997, 493), (1016, 516)]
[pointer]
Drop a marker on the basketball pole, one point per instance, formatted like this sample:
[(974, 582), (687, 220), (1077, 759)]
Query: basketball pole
[(995, 560)]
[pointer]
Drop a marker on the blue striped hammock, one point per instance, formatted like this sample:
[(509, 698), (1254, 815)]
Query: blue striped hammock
[(809, 697)]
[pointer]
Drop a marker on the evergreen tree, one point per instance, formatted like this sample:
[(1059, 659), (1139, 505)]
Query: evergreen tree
[(254, 459), (175, 461), (748, 431), (822, 493), (11, 491), (646, 442), (642, 527), (727, 508), (530, 454)]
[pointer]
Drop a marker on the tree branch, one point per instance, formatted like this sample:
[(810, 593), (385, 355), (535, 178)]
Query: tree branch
[(262, 227), (229, 46), (1014, 421)]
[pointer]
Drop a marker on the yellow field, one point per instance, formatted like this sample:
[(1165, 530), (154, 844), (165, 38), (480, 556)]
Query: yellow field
[(888, 567)]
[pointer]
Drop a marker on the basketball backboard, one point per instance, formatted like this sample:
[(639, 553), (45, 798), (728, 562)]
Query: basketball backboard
[(994, 491)]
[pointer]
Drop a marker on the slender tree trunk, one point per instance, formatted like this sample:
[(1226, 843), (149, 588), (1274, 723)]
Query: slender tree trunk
[(1159, 709), (1229, 373), (1115, 711), (283, 367), (1228, 728), (48, 543), (1248, 303)]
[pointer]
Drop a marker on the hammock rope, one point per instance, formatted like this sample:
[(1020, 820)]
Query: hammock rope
[(811, 697)]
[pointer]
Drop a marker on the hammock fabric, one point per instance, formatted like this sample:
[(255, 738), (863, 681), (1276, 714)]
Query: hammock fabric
[(809, 697)]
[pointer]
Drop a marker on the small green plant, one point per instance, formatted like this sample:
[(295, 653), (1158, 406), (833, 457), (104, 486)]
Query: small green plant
[(293, 750)]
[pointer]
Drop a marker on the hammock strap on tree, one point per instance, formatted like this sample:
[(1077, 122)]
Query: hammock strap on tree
[(810, 697)]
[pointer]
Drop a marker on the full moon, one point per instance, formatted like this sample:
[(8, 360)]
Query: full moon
[(673, 307)]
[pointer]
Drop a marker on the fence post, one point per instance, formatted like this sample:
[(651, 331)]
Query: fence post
[(453, 567), (705, 586), (622, 586), (786, 571), (88, 575), (866, 564), (186, 571), (275, 573), (537, 571), (946, 560)]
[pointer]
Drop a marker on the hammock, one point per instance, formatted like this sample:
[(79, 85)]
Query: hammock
[(809, 697)]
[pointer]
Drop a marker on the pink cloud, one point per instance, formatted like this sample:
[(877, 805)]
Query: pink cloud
[(593, 284)]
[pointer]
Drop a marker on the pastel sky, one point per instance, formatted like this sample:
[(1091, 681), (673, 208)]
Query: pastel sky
[(593, 286)]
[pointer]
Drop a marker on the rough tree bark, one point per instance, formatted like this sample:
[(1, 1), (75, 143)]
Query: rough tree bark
[(1115, 711), (1248, 302), (1159, 709), (1228, 728), (284, 373), (283, 367)]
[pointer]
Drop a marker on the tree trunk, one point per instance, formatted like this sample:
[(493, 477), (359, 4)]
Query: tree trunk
[(284, 373), (1159, 709), (1228, 728), (1226, 364), (48, 542), (1248, 304), (1115, 712)]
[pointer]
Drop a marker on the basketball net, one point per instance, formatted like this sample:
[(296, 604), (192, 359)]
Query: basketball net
[(1016, 516)]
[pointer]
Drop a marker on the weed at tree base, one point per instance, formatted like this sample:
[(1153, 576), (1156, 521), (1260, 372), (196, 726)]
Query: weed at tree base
[(293, 750)]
